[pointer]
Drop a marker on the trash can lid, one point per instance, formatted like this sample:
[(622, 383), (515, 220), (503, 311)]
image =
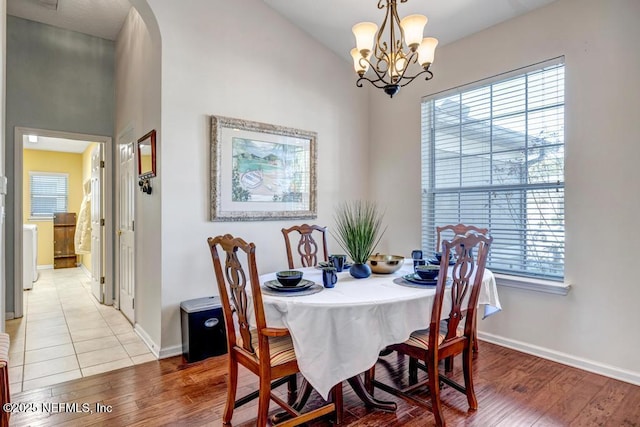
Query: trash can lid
[(200, 304)]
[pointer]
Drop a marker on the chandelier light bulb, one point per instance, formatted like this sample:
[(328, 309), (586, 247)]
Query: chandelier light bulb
[(361, 67), (427, 51), (413, 27), (364, 32)]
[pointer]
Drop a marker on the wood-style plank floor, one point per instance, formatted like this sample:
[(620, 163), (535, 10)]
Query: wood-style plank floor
[(513, 389)]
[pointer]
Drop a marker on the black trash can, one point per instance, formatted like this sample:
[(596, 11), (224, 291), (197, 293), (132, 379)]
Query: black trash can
[(203, 332)]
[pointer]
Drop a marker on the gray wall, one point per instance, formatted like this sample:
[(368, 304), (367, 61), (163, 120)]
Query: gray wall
[(56, 80)]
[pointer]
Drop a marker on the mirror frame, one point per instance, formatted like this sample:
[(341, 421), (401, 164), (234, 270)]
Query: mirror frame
[(149, 138)]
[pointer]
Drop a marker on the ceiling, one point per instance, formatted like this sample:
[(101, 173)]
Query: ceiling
[(99, 18), (328, 21), (55, 144)]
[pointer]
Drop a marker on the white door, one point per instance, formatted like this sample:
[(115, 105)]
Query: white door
[(126, 265), (97, 284)]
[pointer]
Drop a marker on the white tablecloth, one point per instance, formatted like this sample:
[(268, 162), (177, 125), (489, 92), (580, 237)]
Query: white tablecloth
[(338, 333)]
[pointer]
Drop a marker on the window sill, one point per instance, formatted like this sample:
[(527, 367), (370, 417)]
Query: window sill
[(531, 284), (40, 219)]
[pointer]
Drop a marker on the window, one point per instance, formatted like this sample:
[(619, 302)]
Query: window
[(48, 194), (493, 156)]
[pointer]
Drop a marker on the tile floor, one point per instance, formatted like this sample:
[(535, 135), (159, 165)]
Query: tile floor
[(66, 334)]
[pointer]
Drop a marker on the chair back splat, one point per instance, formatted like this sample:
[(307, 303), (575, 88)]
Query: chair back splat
[(308, 249), (450, 232)]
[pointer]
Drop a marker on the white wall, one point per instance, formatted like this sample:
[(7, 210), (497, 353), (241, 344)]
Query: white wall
[(3, 52), (596, 324), (138, 107), (241, 59)]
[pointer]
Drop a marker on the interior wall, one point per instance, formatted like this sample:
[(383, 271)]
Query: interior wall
[(57, 80), (243, 60), (138, 109), (596, 322), (58, 162)]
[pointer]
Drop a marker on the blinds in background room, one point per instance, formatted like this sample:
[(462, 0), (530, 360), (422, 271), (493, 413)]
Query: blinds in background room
[(48, 194)]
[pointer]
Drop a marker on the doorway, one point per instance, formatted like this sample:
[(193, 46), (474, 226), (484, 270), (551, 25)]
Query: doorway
[(99, 178)]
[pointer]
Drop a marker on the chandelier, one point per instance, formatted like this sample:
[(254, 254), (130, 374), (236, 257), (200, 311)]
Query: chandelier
[(390, 60)]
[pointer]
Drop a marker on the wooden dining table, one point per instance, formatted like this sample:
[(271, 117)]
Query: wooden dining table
[(338, 332)]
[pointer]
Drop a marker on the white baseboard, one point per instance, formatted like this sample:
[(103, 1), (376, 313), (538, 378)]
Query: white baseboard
[(85, 270), (144, 336), (45, 267), (174, 350), (564, 358), (159, 353)]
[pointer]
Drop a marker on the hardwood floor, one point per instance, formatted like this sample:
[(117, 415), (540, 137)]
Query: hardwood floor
[(513, 389)]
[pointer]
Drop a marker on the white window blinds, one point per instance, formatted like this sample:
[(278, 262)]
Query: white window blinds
[(493, 156), (48, 194)]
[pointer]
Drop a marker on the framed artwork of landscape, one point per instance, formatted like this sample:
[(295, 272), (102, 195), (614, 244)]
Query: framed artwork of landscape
[(261, 171)]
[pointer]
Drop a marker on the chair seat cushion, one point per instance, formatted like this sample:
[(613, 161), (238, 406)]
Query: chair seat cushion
[(280, 348), (420, 338)]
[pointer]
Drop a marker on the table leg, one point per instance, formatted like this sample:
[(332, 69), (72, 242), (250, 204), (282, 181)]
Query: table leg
[(358, 387), (303, 395)]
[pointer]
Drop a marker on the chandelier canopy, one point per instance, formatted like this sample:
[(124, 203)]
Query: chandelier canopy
[(390, 59)]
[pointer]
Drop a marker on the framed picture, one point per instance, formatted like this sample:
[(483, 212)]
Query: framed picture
[(261, 171)]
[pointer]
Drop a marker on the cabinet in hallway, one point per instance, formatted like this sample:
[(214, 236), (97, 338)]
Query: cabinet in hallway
[(64, 229)]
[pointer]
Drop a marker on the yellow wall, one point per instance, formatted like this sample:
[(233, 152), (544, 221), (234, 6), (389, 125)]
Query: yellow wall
[(50, 161), (85, 259)]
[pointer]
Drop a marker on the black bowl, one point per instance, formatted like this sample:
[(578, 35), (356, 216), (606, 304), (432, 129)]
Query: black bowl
[(427, 272), (289, 278), (438, 256)]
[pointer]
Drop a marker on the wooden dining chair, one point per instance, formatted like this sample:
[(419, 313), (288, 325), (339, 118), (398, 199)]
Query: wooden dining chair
[(451, 335), (267, 352), (307, 247), (449, 232)]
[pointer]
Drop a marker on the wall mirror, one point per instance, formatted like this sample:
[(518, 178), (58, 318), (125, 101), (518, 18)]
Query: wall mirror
[(147, 156)]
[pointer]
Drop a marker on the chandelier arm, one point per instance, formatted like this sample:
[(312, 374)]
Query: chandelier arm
[(380, 77), (410, 79), (411, 59), (380, 74), (375, 82)]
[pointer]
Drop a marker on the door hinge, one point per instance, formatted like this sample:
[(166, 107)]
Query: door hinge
[(102, 280), (101, 163), (102, 222), (133, 303), (133, 226)]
